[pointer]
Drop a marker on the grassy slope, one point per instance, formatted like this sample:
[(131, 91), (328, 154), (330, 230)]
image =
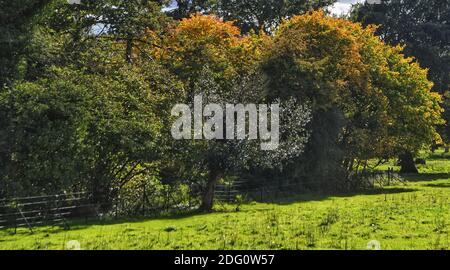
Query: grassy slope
[(415, 216)]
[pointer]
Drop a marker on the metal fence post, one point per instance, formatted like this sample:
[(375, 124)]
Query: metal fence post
[(143, 199)]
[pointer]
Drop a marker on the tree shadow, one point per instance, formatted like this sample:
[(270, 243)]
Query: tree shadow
[(81, 224), (426, 177), (326, 196), (434, 157), (440, 185)]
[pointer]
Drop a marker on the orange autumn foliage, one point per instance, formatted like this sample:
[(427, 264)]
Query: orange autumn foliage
[(201, 41), (385, 98)]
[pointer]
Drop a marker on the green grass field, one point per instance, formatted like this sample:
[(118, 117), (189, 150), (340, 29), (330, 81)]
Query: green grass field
[(414, 215)]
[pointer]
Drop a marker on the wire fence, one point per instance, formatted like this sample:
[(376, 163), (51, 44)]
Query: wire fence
[(41, 210), (149, 201), (275, 188)]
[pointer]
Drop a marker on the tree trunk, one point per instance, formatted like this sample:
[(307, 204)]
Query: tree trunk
[(406, 161), (101, 197), (208, 194), (129, 50), (434, 147)]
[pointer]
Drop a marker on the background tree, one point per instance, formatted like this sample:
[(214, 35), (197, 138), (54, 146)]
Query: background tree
[(423, 27), (54, 32), (16, 26), (264, 15), (445, 130), (124, 22), (248, 15), (180, 9)]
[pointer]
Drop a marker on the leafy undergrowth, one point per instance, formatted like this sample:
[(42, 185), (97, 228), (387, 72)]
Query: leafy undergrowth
[(415, 215)]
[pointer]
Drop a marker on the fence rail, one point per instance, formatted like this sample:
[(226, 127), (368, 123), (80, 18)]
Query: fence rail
[(275, 188), (56, 209), (38, 210)]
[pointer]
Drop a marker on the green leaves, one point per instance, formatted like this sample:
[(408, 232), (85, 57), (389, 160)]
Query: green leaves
[(71, 127), (423, 28), (249, 15)]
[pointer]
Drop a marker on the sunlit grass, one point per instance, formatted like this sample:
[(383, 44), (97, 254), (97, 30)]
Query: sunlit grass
[(411, 216)]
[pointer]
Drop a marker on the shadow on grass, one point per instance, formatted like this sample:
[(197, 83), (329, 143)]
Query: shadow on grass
[(326, 196), (440, 185), (426, 177), (81, 224), (438, 156)]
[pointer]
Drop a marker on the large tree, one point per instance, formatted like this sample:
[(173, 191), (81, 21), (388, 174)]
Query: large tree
[(75, 130), (87, 110), (213, 59), (423, 27), (382, 100)]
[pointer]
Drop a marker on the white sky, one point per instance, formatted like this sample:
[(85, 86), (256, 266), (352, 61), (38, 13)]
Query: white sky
[(342, 7)]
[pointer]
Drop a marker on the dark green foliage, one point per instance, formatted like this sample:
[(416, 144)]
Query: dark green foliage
[(16, 23), (185, 8), (321, 165), (265, 15), (249, 14), (125, 22), (79, 116), (39, 137), (76, 131), (423, 26)]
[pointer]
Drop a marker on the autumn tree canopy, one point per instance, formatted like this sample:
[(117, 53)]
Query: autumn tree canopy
[(208, 41), (383, 97), (423, 27)]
